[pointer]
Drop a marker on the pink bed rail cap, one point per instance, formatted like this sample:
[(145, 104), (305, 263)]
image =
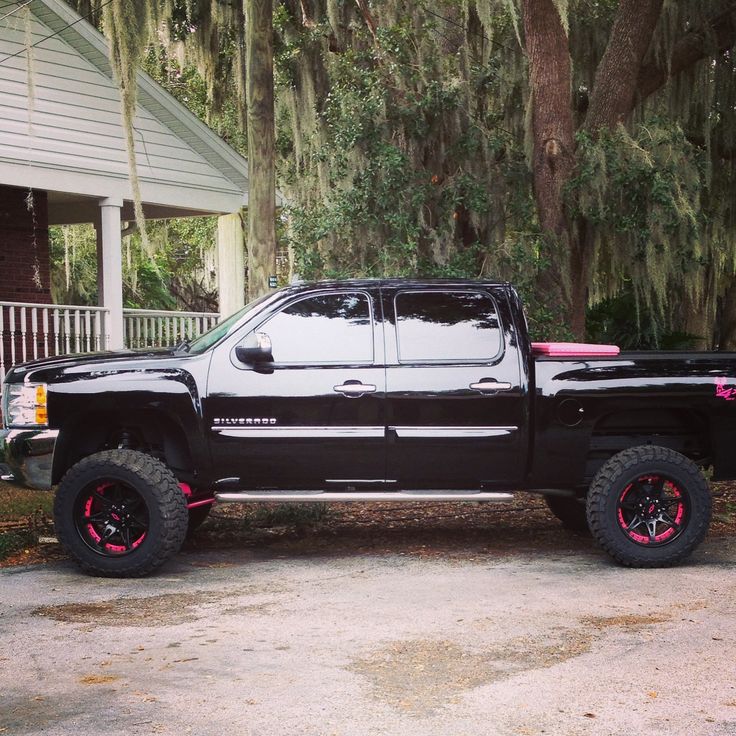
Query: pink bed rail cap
[(576, 349)]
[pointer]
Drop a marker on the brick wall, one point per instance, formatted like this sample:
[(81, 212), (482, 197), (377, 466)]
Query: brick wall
[(24, 267), (24, 247)]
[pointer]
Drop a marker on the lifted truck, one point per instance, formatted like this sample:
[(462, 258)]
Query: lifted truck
[(371, 390)]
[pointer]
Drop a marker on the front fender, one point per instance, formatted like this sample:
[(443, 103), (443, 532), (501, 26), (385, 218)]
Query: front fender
[(168, 394)]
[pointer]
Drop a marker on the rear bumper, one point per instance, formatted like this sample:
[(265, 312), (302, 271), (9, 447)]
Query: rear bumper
[(27, 457)]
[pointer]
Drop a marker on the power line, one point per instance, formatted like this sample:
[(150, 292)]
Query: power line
[(15, 10), (55, 33)]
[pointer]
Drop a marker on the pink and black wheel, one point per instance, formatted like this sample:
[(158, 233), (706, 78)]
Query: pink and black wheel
[(649, 506), (120, 513), (111, 518), (652, 510)]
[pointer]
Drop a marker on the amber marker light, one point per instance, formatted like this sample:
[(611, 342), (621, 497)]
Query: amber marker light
[(42, 416)]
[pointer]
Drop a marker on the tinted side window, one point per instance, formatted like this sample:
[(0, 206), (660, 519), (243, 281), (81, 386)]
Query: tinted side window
[(330, 328), (447, 326)]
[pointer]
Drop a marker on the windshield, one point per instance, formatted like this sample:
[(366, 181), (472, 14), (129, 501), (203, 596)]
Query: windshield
[(220, 330)]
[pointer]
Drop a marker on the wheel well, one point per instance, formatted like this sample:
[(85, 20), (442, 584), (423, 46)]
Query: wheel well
[(155, 433), (684, 431)]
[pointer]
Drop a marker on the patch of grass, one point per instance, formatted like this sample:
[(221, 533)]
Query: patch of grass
[(23, 513), (19, 503), (15, 541)]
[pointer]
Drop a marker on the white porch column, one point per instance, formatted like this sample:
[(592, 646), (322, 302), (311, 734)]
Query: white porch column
[(230, 263), (110, 268)]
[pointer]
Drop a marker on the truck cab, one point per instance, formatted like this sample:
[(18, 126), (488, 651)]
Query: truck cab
[(373, 385)]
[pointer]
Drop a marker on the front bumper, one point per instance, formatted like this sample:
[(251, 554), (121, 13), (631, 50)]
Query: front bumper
[(27, 457)]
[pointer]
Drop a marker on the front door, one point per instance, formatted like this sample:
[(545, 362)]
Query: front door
[(454, 392), (315, 417)]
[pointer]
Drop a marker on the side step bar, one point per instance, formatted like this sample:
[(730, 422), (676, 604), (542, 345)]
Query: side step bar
[(328, 496)]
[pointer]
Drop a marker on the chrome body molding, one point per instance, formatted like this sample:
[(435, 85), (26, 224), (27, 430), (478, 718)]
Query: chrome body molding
[(358, 480), (27, 456), (328, 496), (450, 432), (301, 432), (261, 432)]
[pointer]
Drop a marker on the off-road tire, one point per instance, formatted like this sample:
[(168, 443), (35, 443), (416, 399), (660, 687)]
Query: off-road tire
[(158, 507), (636, 473), (570, 511)]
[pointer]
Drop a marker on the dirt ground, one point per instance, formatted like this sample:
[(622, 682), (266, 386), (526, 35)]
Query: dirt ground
[(437, 620), (375, 636), (460, 530)]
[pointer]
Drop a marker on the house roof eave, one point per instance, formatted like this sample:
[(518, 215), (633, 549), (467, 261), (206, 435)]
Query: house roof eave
[(87, 41)]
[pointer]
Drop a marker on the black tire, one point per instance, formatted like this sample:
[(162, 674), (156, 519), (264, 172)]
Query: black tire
[(649, 506), (197, 516), (571, 511), (120, 513)]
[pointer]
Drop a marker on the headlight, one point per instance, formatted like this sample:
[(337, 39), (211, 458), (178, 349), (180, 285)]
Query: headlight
[(25, 404)]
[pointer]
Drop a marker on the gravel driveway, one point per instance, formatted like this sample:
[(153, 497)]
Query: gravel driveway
[(264, 642)]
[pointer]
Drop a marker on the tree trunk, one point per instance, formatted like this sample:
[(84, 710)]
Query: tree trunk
[(727, 326), (261, 146), (553, 148), (698, 322), (717, 36), (616, 77)]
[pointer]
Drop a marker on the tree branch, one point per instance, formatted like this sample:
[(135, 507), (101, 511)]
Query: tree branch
[(307, 22), (367, 17), (615, 83), (716, 37)]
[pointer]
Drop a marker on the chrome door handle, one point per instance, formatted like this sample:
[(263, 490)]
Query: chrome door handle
[(488, 385), (354, 389)]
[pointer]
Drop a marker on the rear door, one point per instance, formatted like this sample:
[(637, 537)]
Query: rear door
[(454, 393), (316, 419)]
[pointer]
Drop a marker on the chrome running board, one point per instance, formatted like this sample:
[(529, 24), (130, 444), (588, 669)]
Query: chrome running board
[(329, 496)]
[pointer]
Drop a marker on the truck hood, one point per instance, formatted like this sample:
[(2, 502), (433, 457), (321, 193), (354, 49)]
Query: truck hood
[(46, 369)]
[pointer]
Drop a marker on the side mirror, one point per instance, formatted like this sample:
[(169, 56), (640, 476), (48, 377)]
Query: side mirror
[(257, 353)]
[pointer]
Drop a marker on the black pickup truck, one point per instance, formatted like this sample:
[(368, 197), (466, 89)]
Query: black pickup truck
[(388, 390)]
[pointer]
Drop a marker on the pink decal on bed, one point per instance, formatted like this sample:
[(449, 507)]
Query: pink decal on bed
[(723, 392)]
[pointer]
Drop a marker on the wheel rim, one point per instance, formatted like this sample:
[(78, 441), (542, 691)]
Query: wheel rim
[(653, 510), (111, 517)]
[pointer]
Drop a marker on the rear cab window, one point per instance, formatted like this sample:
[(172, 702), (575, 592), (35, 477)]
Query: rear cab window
[(454, 326)]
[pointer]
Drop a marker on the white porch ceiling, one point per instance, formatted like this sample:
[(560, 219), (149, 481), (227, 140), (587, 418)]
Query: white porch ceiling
[(72, 209)]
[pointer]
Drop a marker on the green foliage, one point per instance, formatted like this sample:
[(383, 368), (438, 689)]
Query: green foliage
[(390, 151), (639, 194), (189, 87), (610, 322), (401, 144), (179, 274)]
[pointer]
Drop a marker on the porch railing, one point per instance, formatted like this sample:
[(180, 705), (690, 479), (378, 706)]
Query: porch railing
[(30, 331), (150, 328)]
